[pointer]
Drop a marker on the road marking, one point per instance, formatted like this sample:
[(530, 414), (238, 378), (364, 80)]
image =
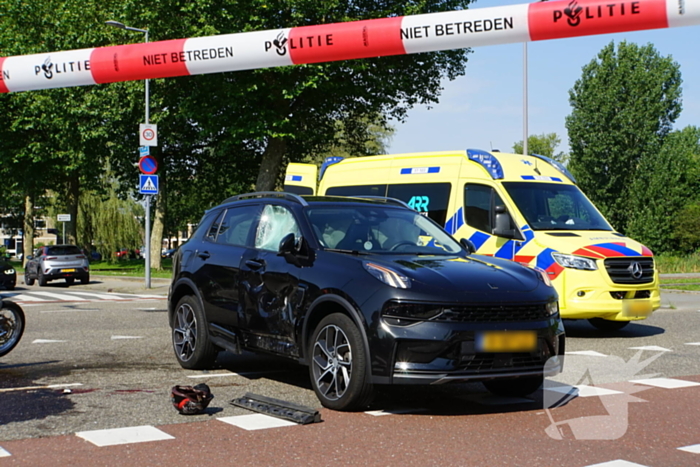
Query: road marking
[(46, 341), (49, 386), (695, 449), (588, 353), (20, 297), (101, 296), (616, 463), (584, 390), (655, 348), (60, 296), (128, 435), (4, 453), (666, 383), (379, 413), (693, 343), (256, 421), (126, 337), (252, 373)]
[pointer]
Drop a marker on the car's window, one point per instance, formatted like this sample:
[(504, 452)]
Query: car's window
[(379, 229), (478, 206), (430, 199), (214, 229), (63, 250), (275, 223), (357, 190), (236, 224)]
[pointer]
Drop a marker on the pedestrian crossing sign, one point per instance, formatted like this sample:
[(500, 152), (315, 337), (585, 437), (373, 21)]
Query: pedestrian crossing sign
[(148, 184)]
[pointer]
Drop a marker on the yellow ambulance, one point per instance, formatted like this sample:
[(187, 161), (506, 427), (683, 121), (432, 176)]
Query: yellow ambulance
[(523, 208)]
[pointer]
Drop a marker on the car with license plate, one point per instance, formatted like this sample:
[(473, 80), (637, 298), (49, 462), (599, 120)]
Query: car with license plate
[(365, 292), (48, 263)]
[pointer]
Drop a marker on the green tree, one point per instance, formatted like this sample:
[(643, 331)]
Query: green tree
[(624, 105), (544, 145), (667, 183)]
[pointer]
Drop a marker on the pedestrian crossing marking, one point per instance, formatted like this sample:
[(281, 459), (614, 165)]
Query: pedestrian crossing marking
[(41, 297)]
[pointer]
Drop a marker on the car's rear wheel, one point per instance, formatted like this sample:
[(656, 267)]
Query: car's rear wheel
[(28, 280), (41, 279), (338, 364), (70, 280), (191, 343), (607, 325), (85, 279), (515, 387)]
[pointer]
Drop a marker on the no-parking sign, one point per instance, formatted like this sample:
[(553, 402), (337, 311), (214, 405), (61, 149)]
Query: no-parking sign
[(148, 134)]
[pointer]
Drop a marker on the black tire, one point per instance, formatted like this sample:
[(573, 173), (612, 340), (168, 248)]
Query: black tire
[(41, 279), (607, 325), (70, 280), (27, 279), (10, 286), (515, 387), (338, 368), (190, 337), (11, 326), (85, 279)]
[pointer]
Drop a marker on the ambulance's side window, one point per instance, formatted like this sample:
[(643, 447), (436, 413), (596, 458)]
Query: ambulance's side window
[(479, 201), (367, 190), (430, 199)]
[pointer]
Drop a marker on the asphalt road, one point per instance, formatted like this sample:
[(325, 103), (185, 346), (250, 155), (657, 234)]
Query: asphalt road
[(96, 365)]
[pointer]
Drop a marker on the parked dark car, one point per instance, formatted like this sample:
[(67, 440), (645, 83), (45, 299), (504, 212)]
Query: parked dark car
[(53, 262), (364, 292), (8, 275)]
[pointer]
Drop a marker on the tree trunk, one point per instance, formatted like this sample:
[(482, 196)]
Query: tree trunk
[(72, 199), (271, 164), (28, 228), (157, 230)]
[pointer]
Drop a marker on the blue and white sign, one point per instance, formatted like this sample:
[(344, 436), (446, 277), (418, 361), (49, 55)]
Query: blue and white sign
[(148, 184), (144, 151)]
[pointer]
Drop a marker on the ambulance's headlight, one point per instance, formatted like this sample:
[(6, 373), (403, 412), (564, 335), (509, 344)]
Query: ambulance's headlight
[(575, 262)]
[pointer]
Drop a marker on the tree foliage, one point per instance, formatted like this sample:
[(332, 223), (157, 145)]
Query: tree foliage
[(544, 145), (624, 105)]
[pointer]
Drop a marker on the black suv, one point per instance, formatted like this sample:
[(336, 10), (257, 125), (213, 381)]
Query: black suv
[(363, 291)]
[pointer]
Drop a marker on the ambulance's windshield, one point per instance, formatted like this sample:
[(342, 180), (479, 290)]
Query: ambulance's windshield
[(555, 206)]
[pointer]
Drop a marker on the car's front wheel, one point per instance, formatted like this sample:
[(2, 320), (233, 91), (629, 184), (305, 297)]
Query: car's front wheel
[(517, 387), (338, 364), (28, 280), (191, 343), (607, 325)]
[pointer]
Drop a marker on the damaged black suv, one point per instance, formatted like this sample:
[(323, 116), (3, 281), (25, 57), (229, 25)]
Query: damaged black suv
[(364, 292)]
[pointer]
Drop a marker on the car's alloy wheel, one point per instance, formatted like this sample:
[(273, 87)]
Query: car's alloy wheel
[(607, 325), (41, 279), (27, 279), (191, 343), (338, 364)]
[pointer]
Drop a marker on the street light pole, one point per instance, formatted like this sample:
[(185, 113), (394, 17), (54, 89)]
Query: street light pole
[(147, 241)]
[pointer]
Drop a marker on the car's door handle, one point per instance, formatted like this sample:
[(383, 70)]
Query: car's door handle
[(204, 254), (253, 264)]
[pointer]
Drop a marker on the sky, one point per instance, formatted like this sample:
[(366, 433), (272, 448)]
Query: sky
[(484, 108)]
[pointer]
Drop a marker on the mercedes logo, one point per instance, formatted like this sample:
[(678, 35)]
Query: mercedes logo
[(636, 270)]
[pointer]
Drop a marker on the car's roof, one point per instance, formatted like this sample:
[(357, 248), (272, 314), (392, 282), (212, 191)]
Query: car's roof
[(306, 200)]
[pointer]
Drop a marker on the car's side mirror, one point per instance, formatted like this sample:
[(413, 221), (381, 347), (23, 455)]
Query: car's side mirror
[(287, 245), (468, 245), (503, 224)]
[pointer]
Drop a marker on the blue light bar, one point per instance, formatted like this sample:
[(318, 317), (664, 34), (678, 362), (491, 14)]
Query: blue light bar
[(488, 161)]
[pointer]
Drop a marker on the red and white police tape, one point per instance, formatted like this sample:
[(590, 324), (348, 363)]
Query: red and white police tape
[(342, 41)]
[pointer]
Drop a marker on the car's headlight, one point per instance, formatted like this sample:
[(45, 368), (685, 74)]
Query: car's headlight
[(388, 276), (9, 271), (575, 262), (552, 308)]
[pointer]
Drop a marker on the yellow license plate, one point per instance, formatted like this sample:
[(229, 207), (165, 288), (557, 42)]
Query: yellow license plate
[(506, 341), (638, 308), (67, 270)]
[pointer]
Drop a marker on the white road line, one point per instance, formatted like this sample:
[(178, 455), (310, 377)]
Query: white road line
[(133, 434), (695, 449), (49, 386), (114, 338), (4, 453), (655, 348), (584, 390), (256, 421), (666, 383), (693, 343), (25, 298), (149, 296), (617, 463), (588, 353), (46, 341), (101, 296), (61, 296)]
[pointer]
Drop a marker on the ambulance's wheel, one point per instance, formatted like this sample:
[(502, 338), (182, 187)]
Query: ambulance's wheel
[(607, 325)]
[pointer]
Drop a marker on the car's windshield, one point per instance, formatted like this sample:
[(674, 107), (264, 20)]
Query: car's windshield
[(62, 250), (379, 229), (555, 206)]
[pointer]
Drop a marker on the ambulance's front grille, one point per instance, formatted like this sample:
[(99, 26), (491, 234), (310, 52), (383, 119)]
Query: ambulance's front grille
[(632, 270)]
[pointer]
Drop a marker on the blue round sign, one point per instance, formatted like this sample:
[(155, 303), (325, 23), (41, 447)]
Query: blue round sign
[(148, 165)]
